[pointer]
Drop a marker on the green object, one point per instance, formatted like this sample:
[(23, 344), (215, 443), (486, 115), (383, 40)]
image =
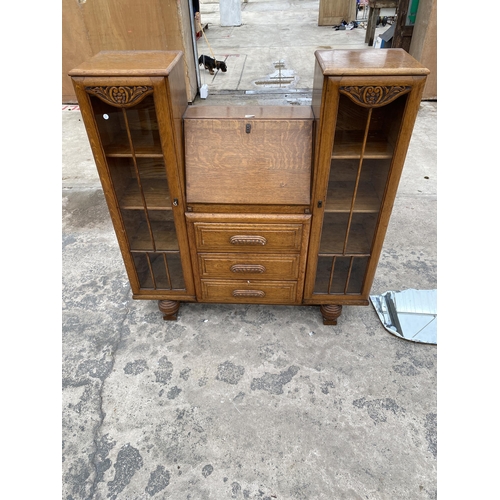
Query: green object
[(412, 14)]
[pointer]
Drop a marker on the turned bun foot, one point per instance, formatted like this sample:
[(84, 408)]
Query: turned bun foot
[(330, 313), (169, 309)]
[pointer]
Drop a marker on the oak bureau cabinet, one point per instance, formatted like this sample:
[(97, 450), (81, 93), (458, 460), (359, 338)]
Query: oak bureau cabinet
[(251, 204)]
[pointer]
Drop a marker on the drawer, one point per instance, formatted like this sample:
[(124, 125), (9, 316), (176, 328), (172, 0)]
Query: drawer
[(248, 237), (241, 291), (249, 266)]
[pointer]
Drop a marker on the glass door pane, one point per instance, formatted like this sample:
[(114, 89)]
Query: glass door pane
[(159, 270), (359, 170), (131, 142)]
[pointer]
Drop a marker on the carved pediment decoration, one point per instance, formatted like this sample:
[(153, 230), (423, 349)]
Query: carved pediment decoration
[(124, 97), (372, 96)]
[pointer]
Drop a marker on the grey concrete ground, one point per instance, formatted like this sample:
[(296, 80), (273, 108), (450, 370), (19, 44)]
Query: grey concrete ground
[(245, 402)]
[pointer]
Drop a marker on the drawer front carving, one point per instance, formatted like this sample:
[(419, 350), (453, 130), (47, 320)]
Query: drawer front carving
[(248, 268), (249, 293), (242, 237), (247, 240), (263, 292), (251, 266)]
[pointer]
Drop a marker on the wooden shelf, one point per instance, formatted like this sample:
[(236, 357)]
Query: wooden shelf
[(340, 194), (164, 235), (347, 145), (140, 152), (143, 146), (333, 236), (155, 191)]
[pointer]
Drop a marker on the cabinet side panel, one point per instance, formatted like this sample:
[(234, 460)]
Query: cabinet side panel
[(178, 100)]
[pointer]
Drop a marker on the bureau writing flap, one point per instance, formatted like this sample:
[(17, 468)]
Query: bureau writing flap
[(248, 160)]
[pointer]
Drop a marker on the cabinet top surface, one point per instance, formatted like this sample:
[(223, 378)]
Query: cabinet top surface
[(376, 62), (249, 112), (128, 63)]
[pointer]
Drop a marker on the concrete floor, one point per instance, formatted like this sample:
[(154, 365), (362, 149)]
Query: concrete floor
[(248, 402)]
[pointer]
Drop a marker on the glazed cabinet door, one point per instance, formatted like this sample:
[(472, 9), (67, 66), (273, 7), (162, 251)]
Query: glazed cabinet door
[(133, 140), (365, 131)]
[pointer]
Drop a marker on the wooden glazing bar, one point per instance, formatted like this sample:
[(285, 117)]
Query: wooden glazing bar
[(138, 155), (322, 254), (358, 175), (136, 168), (151, 272), (348, 275), (166, 252), (167, 271), (330, 281)]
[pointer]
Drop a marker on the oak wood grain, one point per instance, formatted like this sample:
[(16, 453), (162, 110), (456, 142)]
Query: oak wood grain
[(258, 155), (249, 266), (257, 292)]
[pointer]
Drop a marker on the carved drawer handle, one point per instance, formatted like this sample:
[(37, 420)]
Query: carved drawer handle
[(247, 240), (249, 293), (248, 268)]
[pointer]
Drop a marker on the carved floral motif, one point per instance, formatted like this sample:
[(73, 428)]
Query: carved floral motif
[(121, 96), (373, 96)]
